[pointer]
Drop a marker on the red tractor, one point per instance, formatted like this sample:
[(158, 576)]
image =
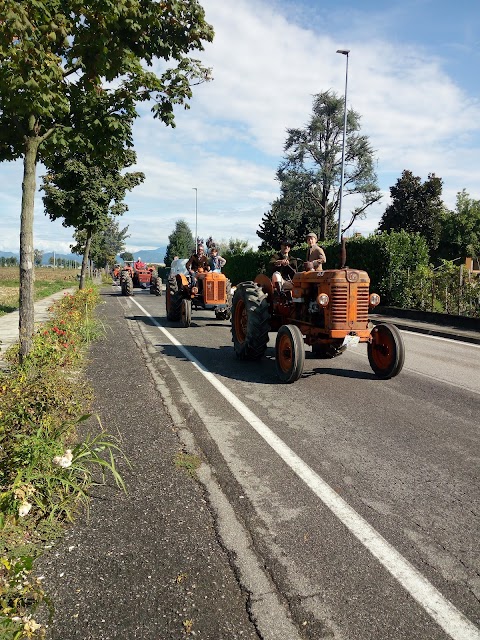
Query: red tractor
[(132, 276), (325, 309)]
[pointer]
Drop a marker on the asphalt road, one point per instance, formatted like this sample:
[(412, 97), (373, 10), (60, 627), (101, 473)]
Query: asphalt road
[(345, 506)]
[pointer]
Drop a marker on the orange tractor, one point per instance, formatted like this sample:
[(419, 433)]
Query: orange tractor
[(132, 277), (211, 290), (325, 309)]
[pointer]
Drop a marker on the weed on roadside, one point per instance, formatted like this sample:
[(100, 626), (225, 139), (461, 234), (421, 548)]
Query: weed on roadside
[(46, 472), (187, 461)]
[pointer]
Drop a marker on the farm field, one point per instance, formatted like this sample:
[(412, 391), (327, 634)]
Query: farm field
[(47, 281)]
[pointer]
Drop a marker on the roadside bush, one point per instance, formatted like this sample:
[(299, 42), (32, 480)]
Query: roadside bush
[(46, 472), (242, 267)]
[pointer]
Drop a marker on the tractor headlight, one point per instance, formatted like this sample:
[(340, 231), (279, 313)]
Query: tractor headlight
[(322, 300), (374, 299)]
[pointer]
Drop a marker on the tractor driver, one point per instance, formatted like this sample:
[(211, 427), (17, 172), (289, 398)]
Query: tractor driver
[(197, 261), (283, 272)]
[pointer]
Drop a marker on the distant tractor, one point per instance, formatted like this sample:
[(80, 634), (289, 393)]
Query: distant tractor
[(212, 290), (325, 309), (139, 277)]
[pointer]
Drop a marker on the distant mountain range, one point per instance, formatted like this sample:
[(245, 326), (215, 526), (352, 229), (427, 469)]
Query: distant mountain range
[(156, 256)]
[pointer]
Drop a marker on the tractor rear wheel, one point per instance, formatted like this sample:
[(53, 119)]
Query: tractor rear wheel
[(127, 285), (156, 286), (250, 321), (227, 311), (186, 313), (289, 353), (386, 351)]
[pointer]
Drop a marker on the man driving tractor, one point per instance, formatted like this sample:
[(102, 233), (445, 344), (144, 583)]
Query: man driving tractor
[(198, 262), (283, 271)]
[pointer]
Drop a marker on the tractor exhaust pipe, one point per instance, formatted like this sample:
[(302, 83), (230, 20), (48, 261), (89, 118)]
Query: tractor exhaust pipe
[(343, 253)]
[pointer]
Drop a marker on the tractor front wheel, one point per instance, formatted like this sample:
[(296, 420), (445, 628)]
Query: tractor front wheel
[(250, 321), (173, 300), (386, 351), (289, 353), (186, 313)]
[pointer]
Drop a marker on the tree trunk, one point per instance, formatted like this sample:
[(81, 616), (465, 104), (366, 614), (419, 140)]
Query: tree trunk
[(85, 260), (27, 275), (323, 216)]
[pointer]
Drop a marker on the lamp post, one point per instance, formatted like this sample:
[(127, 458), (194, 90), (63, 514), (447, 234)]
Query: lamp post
[(196, 217), (344, 52)]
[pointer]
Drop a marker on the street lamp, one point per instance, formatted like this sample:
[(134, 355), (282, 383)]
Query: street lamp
[(196, 217), (344, 52)]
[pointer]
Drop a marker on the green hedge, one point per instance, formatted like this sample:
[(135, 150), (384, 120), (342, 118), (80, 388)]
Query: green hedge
[(390, 259)]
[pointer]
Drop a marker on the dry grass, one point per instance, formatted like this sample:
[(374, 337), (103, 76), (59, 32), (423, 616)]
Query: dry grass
[(42, 274), (47, 281)]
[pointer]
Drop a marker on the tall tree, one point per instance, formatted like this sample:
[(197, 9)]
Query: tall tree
[(276, 225), (127, 256), (460, 230), (105, 244), (86, 195), (48, 48), (310, 173), (415, 207), (180, 242), (235, 246), (37, 257)]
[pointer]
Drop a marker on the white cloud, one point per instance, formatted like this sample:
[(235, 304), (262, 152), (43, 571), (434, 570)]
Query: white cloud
[(268, 61)]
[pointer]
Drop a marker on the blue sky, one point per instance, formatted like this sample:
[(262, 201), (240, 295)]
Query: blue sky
[(412, 76)]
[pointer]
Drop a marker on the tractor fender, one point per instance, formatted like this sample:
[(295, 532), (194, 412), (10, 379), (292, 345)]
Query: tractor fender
[(181, 280)]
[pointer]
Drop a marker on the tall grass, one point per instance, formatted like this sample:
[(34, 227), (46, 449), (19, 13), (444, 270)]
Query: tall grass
[(46, 471)]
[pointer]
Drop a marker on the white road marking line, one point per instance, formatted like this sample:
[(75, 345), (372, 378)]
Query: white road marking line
[(450, 340), (452, 621)]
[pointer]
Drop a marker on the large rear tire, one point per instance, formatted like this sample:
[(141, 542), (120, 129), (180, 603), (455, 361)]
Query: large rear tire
[(228, 291), (156, 286), (386, 351), (289, 353), (250, 321), (127, 285)]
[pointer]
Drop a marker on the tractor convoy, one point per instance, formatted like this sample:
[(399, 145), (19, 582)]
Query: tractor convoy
[(133, 276), (327, 310)]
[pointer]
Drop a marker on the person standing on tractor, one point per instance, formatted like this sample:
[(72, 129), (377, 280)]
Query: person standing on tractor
[(139, 264), (216, 261), (315, 253), (283, 271)]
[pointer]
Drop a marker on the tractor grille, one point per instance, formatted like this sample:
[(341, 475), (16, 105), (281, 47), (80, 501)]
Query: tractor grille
[(340, 304), (363, 300), (215, 291)]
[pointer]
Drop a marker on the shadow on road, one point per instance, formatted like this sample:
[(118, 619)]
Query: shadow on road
[(222, 361)]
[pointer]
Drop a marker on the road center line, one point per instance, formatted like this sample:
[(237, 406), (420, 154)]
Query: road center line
[(452, 621)]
